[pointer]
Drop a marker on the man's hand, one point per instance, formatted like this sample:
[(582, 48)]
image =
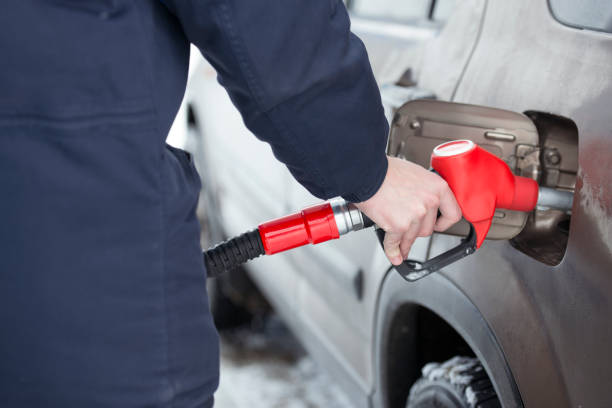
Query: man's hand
[(406, 206)]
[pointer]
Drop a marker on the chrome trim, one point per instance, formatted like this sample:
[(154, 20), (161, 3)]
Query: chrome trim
[(503, 137), (347, 215)]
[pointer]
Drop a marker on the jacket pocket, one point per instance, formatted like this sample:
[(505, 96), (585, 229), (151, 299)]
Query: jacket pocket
[(186, 162)]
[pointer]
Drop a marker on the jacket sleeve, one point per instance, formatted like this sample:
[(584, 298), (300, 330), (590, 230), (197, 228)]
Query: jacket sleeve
[(302, 82)]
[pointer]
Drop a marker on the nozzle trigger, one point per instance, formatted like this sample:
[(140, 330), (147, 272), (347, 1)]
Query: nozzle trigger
[(412, 270)]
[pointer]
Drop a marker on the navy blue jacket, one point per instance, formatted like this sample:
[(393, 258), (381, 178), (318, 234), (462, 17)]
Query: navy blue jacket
[(102, 286)]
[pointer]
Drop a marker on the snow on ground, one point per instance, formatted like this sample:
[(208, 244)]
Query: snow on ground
[(269, 369)]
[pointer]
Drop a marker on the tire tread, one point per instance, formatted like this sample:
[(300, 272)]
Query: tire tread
[(465, 376)]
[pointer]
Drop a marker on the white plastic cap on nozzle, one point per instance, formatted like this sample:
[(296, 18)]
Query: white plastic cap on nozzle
[(453, 148)]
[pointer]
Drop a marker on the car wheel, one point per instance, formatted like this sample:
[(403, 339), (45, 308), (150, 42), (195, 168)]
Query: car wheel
[(460, 382), (226, 313)]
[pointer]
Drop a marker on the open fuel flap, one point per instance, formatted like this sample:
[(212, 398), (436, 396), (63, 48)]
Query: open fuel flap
[(420, 125)]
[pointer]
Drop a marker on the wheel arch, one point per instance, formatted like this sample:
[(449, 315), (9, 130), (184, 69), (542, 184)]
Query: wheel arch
[(401, 308)]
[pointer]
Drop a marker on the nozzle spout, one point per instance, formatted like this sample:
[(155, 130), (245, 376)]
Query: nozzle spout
[(556, 199)]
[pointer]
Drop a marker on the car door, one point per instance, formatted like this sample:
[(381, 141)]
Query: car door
[(242, 176), (338, 290)]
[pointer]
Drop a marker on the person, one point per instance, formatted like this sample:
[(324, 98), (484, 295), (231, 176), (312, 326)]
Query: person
[(102, 284)]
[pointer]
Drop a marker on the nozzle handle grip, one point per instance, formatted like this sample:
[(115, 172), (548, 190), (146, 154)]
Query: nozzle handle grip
[(412, 270)]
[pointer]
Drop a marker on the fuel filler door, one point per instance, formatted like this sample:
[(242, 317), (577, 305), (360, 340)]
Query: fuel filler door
[(420, 125)]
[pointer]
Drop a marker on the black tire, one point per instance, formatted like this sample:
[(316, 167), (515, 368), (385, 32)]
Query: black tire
[(227, 314), (460, 382)]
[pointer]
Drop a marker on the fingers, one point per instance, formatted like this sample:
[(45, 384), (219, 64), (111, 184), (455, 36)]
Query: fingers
[(391, 244), (406, 206), (449, 209), (408, 239), (397, 244), (428, 222)]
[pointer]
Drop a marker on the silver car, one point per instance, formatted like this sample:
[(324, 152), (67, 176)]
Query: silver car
[(523, 322)]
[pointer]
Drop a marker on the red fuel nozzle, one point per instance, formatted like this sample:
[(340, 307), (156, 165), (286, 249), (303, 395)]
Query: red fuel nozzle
[(481, 183)]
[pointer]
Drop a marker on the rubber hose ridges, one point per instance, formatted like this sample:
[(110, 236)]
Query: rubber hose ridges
[(233, 253)]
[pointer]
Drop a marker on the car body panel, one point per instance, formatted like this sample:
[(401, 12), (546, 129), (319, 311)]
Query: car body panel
[(528, 61), (552, 322)]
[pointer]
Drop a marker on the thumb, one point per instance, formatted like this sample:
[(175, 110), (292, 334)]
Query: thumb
[(391, 244)]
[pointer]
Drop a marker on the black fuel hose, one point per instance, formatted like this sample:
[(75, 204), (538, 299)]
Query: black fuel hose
[(232, 253)]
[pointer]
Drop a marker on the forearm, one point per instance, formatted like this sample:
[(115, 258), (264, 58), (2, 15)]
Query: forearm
[(302, 82)]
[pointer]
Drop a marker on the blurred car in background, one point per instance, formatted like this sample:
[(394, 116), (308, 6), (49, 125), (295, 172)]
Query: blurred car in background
[(523, 322)]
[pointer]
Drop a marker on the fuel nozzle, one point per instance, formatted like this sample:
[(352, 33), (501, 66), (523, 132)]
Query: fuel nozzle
[(482, 183)]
